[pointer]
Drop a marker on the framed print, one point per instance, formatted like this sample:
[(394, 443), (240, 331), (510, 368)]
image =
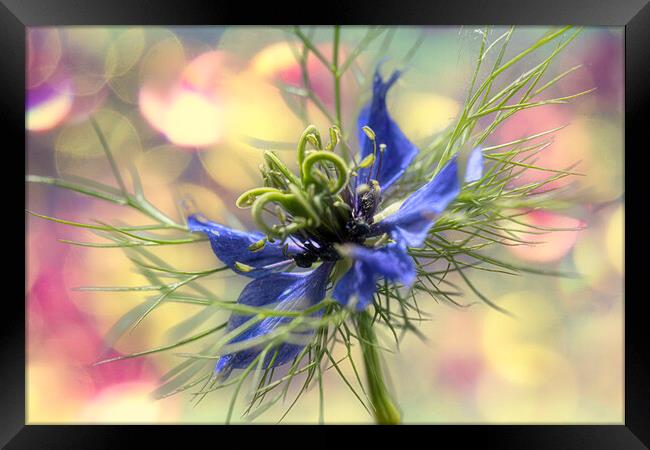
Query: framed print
[(415, 216)]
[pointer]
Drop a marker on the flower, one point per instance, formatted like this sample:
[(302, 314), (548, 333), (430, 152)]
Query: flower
[(399, 150), (290, 292), (331, 221)]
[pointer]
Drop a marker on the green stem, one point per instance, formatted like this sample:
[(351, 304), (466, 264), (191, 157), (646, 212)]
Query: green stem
[(147, 208), (140, 203), (336, 73), (308, 43), (386, 413), (109, 155)]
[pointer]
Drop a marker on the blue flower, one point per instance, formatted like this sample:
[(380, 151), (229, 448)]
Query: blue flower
[(232, 246), (399, 150), (358, 283), (367, 262), (285, 292)]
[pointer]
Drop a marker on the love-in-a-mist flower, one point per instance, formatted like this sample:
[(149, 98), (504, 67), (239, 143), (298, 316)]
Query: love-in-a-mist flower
[(335, 218)]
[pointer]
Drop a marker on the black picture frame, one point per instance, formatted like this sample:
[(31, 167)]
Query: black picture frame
[(634, 15)]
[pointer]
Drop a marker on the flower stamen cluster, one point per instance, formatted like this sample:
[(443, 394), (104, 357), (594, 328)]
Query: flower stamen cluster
[(319, 208)]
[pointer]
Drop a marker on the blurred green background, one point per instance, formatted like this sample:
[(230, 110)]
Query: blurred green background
[(192, 107)]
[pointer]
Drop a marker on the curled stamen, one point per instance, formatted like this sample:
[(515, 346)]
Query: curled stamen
[(297, 225), (286, 200), (274, 162), (314, 141), (334, 138), (312, 131), (341, 170), (247, 199), (300, 198), (280, 214)]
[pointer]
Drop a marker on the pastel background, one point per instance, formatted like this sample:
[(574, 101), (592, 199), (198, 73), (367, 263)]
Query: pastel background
[(191, 107)]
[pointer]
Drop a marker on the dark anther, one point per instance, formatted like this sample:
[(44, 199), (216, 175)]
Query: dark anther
[(313, 253), (305, 259), (328, 253), (357, 229)]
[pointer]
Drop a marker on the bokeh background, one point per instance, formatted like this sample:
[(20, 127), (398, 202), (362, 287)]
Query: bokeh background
[(191, 107)]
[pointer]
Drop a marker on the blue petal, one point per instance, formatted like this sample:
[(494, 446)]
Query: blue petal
[(474, 169), (410, 224), (282, 291), (391, 262), (399, 150), (231, 246)]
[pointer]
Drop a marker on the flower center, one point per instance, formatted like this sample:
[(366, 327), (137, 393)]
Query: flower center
[(320, 207)]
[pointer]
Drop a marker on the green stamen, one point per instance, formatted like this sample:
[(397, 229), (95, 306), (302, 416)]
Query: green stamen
[(338, 163)]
